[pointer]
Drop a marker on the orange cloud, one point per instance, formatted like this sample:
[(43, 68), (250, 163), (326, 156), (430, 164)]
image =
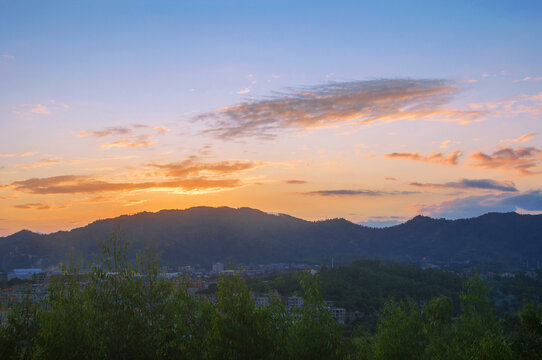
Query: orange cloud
[(437, 158), (76, 184), (112, 130), (190, 167), (522, 159), (33, 206), (161, 129), (521, 139), (335, 104), (40, 163), (295, 182), (132, 142), (40, 109)]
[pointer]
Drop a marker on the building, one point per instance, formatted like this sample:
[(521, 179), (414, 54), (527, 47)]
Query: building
[(218, 267), (294, 302), (339, 314), (261, 301), (23, 274)]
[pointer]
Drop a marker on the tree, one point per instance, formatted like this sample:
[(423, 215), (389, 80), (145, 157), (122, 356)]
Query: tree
[(313, 333), (438, 328), (478, 331), (400, 332), (17, 335), (527, 338)]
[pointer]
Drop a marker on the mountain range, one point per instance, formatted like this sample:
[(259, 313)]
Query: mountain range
[(204, 235)]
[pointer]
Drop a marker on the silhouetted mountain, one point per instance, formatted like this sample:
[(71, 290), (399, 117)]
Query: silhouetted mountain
[(205, 235)]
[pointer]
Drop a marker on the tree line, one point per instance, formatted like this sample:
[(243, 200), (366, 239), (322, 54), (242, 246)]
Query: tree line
[(121, 310)]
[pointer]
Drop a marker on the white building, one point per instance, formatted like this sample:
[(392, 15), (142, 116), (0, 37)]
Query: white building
[(23, 274), (294, 302), (218, 267), (261, 301)]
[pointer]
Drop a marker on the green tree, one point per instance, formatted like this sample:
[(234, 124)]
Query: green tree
[(400, 332), (64, 331), (313, 333), (527, 338), (242, 330), (438, 328), (478, 331), (17, 335)]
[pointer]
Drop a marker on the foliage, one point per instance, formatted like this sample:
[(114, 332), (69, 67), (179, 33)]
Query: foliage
[(122, 311)]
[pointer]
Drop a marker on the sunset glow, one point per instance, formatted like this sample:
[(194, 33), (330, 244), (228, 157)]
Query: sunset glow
[(367, 112)]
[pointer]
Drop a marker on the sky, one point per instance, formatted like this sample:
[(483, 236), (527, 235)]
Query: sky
[(370, 111)]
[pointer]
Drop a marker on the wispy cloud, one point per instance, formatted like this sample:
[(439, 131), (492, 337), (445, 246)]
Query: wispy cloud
[(244, 91), (18, 154), (295, 182), (192, 167), (40, 109), (344, 193), (112, 130), (446, 143), (476, 205), (161, 130), (436, 158), (529, 78), (486, 184), (339, 103), (522, 159), (33, 206), (185, 176), (40, 163), (77, 184), (131, 142), (521, 139)]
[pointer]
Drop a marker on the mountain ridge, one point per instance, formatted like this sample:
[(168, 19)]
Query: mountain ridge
[(202, 235)]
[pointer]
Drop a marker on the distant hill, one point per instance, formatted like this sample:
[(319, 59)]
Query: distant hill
[(203, 235)]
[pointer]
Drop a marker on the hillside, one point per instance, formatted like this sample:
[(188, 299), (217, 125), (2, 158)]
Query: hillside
[(204, 235)]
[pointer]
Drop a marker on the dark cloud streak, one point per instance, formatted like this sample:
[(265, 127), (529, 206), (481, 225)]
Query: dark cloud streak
[(338, 103)]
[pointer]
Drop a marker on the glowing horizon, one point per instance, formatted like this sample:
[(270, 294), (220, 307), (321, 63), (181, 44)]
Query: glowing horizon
[(365, 111)]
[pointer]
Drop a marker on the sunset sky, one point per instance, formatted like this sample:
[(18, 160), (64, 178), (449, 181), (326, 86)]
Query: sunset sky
[(370, 111)]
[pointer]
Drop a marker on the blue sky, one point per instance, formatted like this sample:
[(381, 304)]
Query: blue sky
[(68, 69)]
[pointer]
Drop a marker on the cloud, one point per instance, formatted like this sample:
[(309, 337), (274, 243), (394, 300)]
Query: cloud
[(437, 158), (529, 78), (134, 202), (40, 163), (33, 206), (358, 193), (186, 176), (18, 154), (477, 205), (446, 143), (161, 129), (8, 57), (339, 103), (40, 109), (244, 91), (295, 182), (131, 142), (77, 184), (522, 159), (192, 167), (521, 139), (486, 184), (112, 130)]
